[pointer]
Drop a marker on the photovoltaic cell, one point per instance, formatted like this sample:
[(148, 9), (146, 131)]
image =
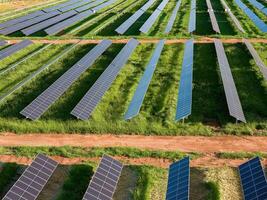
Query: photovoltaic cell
[(37, 107), (21, 19), (179, 180), (192, 19), (73, 6), (103, 5), (27, 23), (214, 23), (14, 48), (131, 20), (33, 179), (3, 42), (172, 18), (40, 26), (256, 20), (231, 94), (90, 5), (256, 4), (104, 182), (233, 17), (253, 180), (184, 103), (143, 85), (90, 100), (61, 5), (255, 55), (151, 20)]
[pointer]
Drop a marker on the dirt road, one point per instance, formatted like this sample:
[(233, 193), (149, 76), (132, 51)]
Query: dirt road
[(180, 143)]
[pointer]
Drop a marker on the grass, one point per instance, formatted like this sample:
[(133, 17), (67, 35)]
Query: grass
[(7, 172), (241, 155), (215, 192)]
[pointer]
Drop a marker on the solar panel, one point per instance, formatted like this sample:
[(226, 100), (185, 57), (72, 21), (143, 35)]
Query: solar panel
[(184, 103), (151, 20), (257, 4), (103, 5), (33, 179), (27, 23), (131, 20), (231, 94), (259, 62), (61, 5), (179, 180), (235, 20), (143, 85), (90, 5), (173, 17), (104, 181), (14, 48), (3, 42), (253, 180), (38, 106), (90, 100), (73, 6), (21, 19), (192, 19), (40, 26), (214, 23), (256, 20), (264, 11)]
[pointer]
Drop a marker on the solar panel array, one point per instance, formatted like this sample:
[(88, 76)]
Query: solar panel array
[(33, 179), (233, 17), (104, 182), (253, 180), (232, 97), (259, 62), (40, 26), (184, 103), (192, 19), (178, 180), (20, 19), (141, 90), (22, 25), (173, 17), (61, 5), (256, 20), (214, 22), (131, 20), (14, 48), (151, 20), (37, 107), (90, 100), (90, 5), (73, 6), (258, 5), (3, 42)]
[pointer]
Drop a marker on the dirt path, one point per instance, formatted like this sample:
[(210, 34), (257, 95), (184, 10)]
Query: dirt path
[(209, 160), (179, 143), (122, 41)]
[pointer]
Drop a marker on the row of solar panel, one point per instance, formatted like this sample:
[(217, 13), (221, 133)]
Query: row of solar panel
[(259, 5), (90, 100), (104, 182), (55, 19)]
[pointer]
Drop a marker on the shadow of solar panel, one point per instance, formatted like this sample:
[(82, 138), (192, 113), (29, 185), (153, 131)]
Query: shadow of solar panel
[(143, 85), (214, 22), (192, 19), (178, 180), (73, 6), (33, 179), (184, 103), (90, 100), (104, 182), (233, 17), (40, 26), (21, 19), (37, 107), (90, 5), (253, 180), (14, 48), (173, 17), (231, 94), (151, 20), (3, 42), (61, 5), (256, 20), (22, 25)]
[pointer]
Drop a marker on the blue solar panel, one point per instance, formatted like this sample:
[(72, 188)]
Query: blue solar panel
[(49, 9), (192, 19), (179, 180), (256, 4), (73, 6), (257, 21), (184, 104), (253, 180), (3, 42), (173, 17), (141, 90), (90, 5)]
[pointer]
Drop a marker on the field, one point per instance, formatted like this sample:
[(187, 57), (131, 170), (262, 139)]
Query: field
[(148, 143)]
